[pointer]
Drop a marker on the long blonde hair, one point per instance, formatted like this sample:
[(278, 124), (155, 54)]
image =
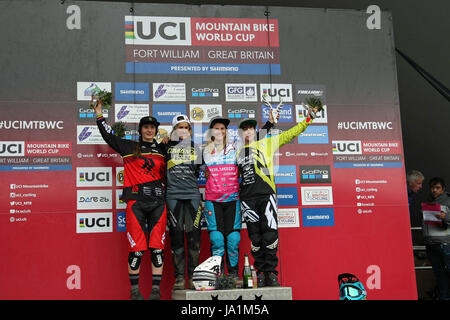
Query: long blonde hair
[(209, 145)]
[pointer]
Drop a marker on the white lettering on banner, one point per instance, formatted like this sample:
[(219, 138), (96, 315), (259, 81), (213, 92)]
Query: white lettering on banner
[(317, 93), (374, 281), (365, 125), (173, 54), (74, 280), (13, 219), (131, 91), (32, 125), (221, 26), (74, 20), (13, 186), (374, 20), (358, 181)]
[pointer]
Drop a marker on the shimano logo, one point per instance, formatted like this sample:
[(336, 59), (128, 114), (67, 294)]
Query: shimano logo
[(131, 91)]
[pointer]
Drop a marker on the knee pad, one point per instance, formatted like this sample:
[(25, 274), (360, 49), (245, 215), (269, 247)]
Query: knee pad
[(134, 260), (157, 256), (178, 251), (217, 243), (233, 239)]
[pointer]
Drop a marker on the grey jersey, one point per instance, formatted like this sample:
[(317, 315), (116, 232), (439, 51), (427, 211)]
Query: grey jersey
[(184, 159)]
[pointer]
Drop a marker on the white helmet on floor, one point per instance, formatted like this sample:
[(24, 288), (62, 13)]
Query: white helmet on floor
[(206, 274)]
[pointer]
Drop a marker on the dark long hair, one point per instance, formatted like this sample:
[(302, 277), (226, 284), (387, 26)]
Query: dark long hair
[(137, 147)]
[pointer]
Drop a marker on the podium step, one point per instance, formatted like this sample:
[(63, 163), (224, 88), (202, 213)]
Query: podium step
[(266, 293)]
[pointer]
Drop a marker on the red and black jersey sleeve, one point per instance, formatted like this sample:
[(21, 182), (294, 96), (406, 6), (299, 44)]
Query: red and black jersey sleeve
[(122, 146), (144, 177)]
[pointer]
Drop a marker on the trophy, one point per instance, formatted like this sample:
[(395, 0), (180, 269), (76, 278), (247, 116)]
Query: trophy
[(314, 105), (99, 95), (275, 111)]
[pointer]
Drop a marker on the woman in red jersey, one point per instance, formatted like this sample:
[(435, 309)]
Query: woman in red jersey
[(144, 192)]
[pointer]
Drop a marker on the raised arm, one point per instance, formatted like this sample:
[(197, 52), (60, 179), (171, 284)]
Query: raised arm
[(123, 147)]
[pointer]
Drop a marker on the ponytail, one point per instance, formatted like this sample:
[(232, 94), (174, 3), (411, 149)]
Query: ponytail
[(137, 147)]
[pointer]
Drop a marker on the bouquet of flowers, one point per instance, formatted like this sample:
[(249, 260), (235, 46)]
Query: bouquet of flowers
[(119, 129), (101, 95)]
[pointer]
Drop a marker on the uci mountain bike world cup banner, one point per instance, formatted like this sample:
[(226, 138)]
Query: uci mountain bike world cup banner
[(201, 45)]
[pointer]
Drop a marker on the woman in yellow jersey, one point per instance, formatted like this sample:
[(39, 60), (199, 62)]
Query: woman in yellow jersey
[(257, 192)]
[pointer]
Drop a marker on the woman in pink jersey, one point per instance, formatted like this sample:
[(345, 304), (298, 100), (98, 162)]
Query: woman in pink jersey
[(222, 205)]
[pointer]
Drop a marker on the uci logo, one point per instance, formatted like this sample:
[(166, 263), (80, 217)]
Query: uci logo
[(94, 176), (277, 92), (94, 222), (160, 30), (346, 147), (12, 149), (283, 93)]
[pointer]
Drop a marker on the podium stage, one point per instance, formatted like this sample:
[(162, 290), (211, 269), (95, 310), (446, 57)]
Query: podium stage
[(266, 293)]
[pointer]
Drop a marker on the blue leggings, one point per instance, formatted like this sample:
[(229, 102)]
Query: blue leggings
[(224, 226)]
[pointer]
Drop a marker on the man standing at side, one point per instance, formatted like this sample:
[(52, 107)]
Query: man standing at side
[(414, 180), (437, 237)]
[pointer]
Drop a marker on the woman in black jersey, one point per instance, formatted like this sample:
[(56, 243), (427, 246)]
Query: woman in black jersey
[(183, 200)]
